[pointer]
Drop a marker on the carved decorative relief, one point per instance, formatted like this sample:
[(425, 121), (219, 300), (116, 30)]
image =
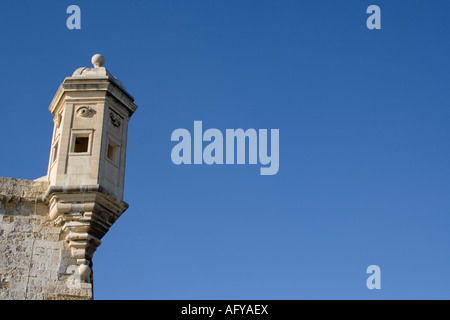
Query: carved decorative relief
[(85, 112), (115, 119)]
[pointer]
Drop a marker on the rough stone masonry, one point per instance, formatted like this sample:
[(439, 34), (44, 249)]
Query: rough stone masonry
[(34, 256), (51, 227)]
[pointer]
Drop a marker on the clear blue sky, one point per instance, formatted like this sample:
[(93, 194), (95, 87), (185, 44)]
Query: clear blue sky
[(364, 142)]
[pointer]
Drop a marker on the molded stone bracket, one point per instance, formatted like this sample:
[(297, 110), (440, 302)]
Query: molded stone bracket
[(85, 213)]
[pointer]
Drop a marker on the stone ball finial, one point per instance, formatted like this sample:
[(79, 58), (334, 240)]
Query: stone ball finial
[(98, 60)]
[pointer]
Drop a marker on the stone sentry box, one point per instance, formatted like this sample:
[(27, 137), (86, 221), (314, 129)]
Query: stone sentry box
[(51, 227)]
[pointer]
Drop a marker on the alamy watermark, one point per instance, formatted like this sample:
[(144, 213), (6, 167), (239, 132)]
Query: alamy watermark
[(74, 20), (213, 152), (374, 281), (374, 21)]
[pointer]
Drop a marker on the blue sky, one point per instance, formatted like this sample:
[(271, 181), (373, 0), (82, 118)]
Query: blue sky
[(364, 142)]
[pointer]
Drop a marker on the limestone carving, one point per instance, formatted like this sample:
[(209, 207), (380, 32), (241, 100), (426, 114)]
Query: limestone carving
[(85, 112), (115, 119)]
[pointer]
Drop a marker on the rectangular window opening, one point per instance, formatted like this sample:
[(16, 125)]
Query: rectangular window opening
[(81, 144), (55, 152), (111, 152)]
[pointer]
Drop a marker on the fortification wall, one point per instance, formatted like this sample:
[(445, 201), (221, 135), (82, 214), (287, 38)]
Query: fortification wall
[(35, 261)]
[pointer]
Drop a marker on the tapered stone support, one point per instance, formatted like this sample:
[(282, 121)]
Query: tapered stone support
[(85, 214)]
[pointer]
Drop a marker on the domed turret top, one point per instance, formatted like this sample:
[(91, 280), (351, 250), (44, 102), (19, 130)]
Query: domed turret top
[(97, 72)]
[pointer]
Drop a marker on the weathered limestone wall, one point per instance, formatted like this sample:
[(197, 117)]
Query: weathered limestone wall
[(35, 261)]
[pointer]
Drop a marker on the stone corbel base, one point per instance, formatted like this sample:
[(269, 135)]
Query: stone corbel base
[(85, 214)]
